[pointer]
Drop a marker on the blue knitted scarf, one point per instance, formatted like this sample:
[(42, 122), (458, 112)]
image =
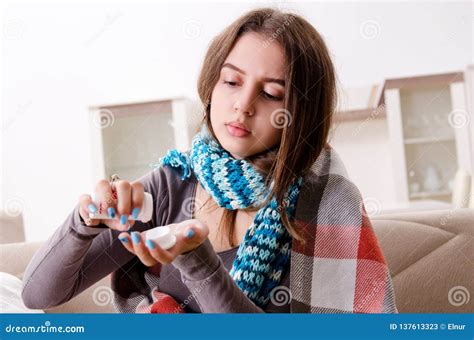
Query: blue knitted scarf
[(235, 184)]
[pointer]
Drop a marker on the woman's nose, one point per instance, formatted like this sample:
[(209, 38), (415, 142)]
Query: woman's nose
[(245, 101)]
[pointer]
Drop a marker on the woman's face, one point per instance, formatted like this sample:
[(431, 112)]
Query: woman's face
[(250, 91)]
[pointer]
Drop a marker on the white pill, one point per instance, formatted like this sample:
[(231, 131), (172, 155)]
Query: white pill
[(163, 236)]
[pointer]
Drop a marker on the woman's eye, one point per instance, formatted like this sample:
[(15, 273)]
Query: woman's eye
[(230, 83), (270, 97), (265, 94)]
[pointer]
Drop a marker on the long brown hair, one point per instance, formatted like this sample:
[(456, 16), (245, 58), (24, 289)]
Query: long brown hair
[(310, 100)]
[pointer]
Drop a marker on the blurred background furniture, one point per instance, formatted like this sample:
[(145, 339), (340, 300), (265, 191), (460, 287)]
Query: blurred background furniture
[(430, 255), (128, 137), (11, 227), (461, 189), (429, 126)]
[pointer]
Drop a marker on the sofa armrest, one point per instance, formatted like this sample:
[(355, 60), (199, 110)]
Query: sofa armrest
[(16, 256), (96, 299)]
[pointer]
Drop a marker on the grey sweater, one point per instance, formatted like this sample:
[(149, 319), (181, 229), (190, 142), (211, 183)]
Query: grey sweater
[(76, 256)]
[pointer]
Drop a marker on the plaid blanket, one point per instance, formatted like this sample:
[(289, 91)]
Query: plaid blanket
[(341, 268)]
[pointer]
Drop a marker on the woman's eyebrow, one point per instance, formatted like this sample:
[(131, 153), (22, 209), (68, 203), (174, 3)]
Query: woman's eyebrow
[(267, 80)]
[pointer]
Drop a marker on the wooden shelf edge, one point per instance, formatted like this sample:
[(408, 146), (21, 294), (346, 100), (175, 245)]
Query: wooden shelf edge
[(363, 114), (423, 140), (426, 80)]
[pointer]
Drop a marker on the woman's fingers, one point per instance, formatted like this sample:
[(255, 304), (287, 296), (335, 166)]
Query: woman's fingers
[(186, 241), (134, 244), (105, 198), (141, 250), (121, 201), (189, 238), (126, 242), (147, 251), (158, 253), (124, 190), (138, 194), (86, 206), (150, 252)]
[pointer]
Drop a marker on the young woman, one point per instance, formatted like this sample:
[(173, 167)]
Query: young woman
[(274, 223)]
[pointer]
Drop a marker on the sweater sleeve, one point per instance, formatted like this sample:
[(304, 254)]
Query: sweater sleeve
[(206, 277), (76, 256)]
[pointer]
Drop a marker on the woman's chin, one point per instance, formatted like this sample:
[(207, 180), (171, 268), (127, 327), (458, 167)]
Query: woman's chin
[(236, 152), (237, 147)]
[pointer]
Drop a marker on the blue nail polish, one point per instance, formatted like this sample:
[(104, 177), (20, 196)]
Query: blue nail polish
[(123, 239), (92, 208), (190, 233), (150, 244), (111, 211), (135, 213), (135, 238), (123, 219)]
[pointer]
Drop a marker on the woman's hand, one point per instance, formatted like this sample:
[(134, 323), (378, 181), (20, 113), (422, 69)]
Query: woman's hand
[(120, 201), (150, 253)]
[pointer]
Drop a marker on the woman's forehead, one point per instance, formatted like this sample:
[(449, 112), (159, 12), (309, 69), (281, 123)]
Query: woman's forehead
[(255, 55)]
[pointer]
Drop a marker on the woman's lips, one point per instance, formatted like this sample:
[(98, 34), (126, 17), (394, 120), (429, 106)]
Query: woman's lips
[(237, 132)]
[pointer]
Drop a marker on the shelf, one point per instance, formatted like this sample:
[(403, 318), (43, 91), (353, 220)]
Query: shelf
[(422, 140), (138, 134), (430, 194)]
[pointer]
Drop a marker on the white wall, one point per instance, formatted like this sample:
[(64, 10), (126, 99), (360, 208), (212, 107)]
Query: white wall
[(60, 59)]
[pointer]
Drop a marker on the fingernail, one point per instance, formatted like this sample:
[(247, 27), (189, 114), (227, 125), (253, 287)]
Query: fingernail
[(150, 244), (123, 239), (92, 208), (123, 219), (190, 233), (111, 211), (135, 213), (135, 238)]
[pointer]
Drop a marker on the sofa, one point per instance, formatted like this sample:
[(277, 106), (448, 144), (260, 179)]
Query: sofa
[(430, 255)]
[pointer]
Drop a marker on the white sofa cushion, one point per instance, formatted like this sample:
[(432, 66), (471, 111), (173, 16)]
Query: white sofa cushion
[(10, 295)]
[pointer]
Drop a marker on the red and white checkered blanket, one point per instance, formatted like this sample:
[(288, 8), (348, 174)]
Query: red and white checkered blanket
[(341, 268)]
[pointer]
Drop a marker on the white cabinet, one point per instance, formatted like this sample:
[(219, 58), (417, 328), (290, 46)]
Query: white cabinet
[(128, 138), (469, 76), (429, 134)]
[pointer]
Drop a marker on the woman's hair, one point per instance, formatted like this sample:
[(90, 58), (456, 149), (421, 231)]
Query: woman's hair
[(310, 99)]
